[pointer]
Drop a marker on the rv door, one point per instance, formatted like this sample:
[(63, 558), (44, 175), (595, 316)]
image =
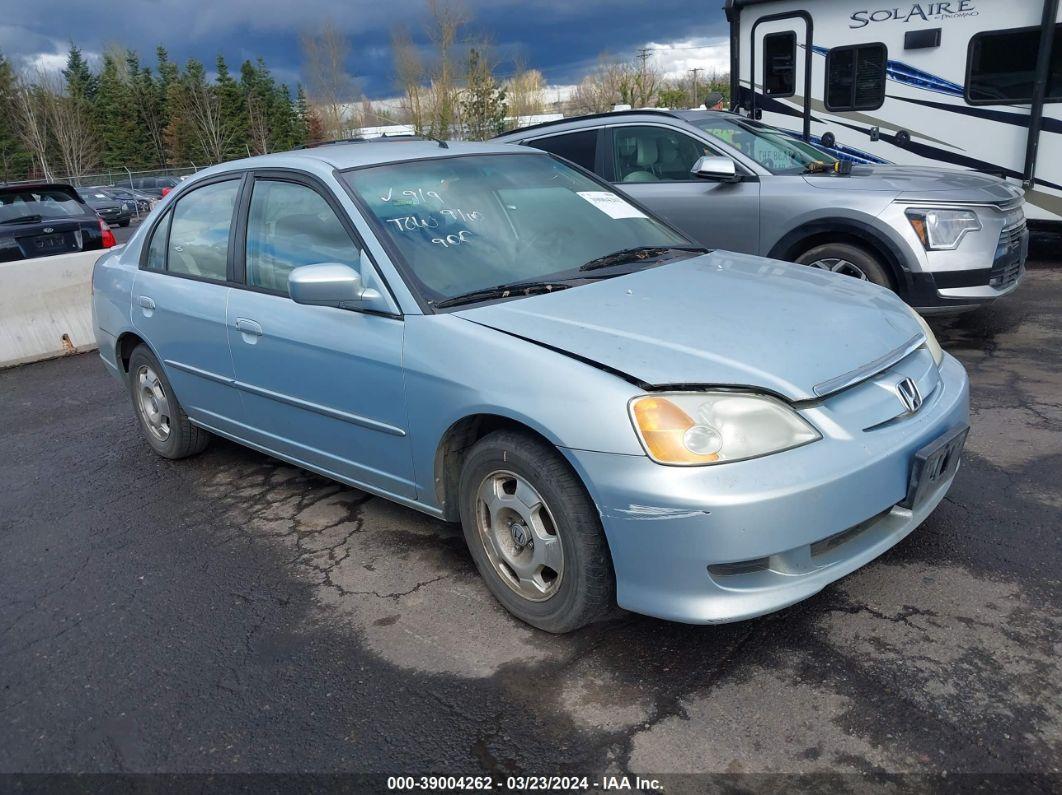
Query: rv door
[(780, 60)]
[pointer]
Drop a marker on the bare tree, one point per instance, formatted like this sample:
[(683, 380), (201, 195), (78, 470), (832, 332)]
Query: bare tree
[(525, 93), (602, 88), (33, 121), (258, 124), (70, 125), (331, 87), (411, 76), (444, 23), (201, 107)]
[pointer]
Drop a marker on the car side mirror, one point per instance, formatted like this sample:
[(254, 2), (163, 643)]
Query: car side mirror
[(716, 168), (329, 284)]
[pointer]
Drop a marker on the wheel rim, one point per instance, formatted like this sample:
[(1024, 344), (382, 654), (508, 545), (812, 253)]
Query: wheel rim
[(152, 402), (838, 265), (517, 531)]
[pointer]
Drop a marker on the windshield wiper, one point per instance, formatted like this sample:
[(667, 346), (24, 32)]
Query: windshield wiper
[(22, 219), (501, 291), (637, 254)]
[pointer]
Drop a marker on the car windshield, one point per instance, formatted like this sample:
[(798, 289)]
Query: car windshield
[(44, 203), (473, 222), (772, 149)]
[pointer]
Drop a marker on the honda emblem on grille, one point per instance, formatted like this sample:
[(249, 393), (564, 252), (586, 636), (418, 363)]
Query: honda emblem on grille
[(48, 230), (907, 390)]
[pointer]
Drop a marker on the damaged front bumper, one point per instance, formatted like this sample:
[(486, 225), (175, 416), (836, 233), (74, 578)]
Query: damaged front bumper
[(729, 542)]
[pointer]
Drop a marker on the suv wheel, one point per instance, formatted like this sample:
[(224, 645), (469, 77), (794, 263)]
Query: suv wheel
[(849, 260), (534, 533)]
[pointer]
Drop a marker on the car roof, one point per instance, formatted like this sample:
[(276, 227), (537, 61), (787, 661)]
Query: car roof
[(598, 119), (368, 152)]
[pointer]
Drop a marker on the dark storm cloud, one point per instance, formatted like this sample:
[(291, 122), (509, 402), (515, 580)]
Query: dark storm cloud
[(559, 38)]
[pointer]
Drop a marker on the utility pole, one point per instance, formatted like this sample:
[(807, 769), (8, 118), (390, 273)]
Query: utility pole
[(643, 56), (694, 72)]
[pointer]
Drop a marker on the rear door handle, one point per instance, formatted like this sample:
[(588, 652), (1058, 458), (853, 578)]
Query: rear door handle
[(145, 302), (250, 329)]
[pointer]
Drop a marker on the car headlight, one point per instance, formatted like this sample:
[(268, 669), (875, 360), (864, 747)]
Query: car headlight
[(699, 428), (942, 229), (931, 339)]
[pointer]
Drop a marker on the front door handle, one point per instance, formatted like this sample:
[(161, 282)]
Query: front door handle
[(250, 329)]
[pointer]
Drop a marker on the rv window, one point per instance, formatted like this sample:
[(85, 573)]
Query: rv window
[(779, 64), (855, 77), (579, 147), (1001, 66)]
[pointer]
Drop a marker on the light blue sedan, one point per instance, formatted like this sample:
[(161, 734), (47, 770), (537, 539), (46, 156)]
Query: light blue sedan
[(493, 336)]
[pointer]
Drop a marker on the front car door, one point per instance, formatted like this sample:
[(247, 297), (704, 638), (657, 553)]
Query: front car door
[(179, 297), (321, 386), (652, 163)]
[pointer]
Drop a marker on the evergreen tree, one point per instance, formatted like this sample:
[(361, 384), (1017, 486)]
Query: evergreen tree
[(483, 105), (15, 160), (233, 112), (80, 81), (116, 116)]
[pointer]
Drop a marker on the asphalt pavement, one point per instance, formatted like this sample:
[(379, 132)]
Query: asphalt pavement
[(230, 613)]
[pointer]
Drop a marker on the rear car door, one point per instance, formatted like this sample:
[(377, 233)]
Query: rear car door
[(320, 385), (652, 163), (179, 298)]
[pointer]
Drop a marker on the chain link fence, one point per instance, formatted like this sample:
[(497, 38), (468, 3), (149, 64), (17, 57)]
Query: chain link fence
[(119, 177)]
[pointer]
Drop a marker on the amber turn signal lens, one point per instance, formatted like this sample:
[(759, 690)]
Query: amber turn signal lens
[(919, 226), (663, 426)]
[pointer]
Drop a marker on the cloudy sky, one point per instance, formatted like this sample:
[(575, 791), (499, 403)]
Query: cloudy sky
[(562, 38)]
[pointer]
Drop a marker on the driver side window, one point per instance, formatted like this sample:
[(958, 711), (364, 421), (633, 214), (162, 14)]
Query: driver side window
[(290, 225), (654, 154)]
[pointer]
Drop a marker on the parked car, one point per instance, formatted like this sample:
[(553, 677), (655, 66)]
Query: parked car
[(45, 219), (139, 203), (155, 186), (943, 239), (490, 335), (108, 206)]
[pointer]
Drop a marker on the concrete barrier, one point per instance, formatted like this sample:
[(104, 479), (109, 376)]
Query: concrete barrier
[(45, 307)]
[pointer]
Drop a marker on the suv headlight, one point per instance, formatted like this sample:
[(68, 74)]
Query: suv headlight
[(931, 339), (699, 428), (942, 229)]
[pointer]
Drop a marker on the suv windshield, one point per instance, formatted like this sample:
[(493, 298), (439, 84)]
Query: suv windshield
[(772, 149), (44, 203), (473, 222)]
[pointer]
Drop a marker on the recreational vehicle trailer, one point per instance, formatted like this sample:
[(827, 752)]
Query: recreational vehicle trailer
[(965, 84)]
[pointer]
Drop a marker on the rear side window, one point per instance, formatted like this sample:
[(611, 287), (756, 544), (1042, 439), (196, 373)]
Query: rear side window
[(579, 147), (855, 77), (779, 64), (156, 253), (292, 225), (1001, 66), (199, 231)]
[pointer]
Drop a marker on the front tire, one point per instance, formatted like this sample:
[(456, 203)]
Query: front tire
[(162, 421), (534, 533), (849, 260)]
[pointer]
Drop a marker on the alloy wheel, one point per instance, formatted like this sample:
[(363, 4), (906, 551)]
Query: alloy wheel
[(839, 265)]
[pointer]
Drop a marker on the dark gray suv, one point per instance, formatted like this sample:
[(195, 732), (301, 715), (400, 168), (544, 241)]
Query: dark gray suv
[(943, 239)]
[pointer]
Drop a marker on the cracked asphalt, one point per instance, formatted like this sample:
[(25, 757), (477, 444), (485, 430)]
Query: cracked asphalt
[(230, 613)]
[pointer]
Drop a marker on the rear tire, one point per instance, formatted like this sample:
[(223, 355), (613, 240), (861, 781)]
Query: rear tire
[(849, 260), (534, 533), (162, 421)]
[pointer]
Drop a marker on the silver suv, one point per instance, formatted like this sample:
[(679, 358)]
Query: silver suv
[(942, 239)]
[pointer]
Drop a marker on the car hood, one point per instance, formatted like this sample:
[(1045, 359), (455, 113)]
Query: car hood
[(921, 182), (719, 319)]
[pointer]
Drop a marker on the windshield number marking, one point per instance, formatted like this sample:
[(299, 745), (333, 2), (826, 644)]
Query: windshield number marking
[(455, 239)]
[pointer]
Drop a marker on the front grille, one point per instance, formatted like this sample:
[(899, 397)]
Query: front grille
[(1006, 269)]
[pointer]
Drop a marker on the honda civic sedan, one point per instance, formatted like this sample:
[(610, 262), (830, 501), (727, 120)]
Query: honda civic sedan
[(494, 337)]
